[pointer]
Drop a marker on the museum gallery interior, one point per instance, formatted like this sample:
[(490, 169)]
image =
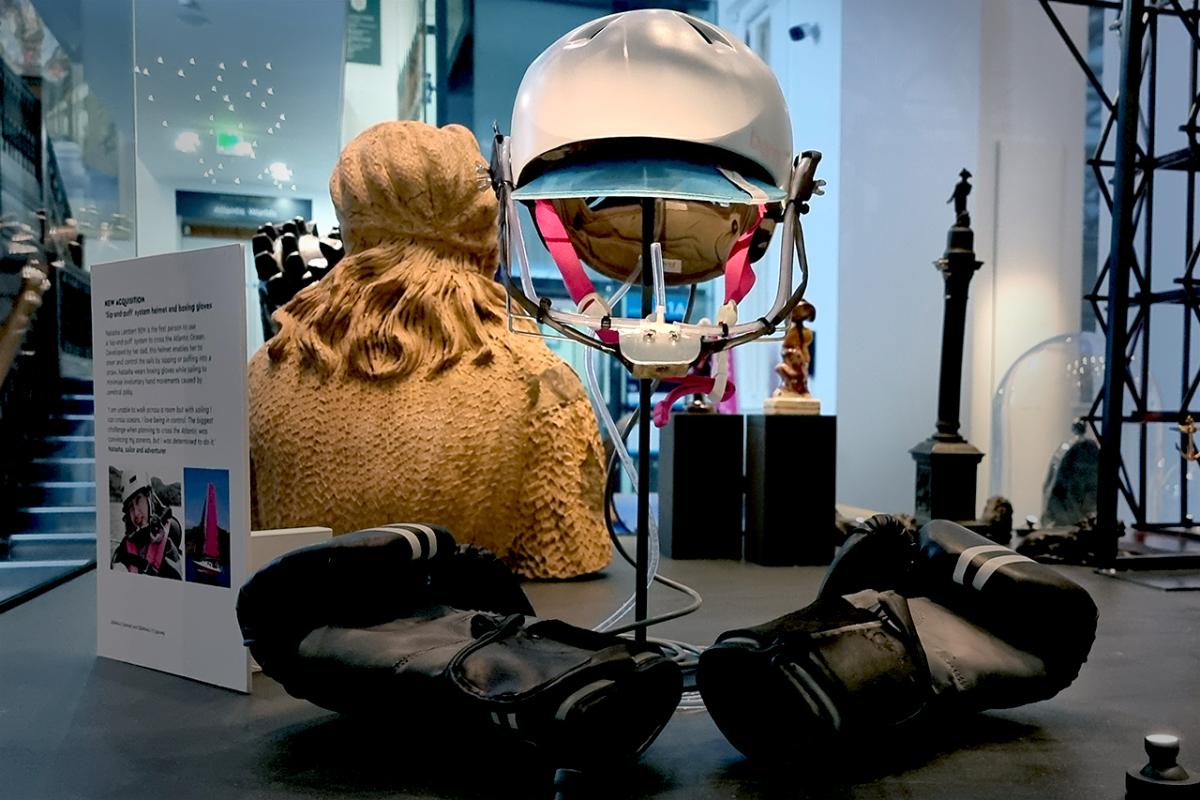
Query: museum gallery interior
[(596, 398)]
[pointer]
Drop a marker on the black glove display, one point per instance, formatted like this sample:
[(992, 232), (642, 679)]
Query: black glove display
[(399, 621), (288, 258), (905, 625)]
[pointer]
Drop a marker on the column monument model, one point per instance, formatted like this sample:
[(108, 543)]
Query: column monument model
[(946, 462)]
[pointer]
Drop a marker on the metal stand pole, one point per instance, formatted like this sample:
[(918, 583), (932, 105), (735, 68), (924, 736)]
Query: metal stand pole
[(640, 607), (1121, 256)]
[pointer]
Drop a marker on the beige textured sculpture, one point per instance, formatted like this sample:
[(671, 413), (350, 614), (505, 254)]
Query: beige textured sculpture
[(394, 390)]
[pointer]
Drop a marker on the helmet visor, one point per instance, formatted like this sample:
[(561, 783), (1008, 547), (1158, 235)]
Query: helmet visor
[(671, 179)]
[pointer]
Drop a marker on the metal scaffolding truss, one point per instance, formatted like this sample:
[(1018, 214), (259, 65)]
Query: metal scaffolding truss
[(1123, 296)]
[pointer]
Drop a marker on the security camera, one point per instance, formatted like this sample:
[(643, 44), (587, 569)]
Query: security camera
[(805, 30)]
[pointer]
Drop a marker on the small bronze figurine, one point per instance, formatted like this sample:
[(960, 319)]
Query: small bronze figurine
[(1187, 433), (796, 356), (794, 396)]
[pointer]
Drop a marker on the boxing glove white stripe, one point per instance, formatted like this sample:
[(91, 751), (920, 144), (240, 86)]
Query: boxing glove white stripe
[(430, 535), (966, 556), (573, 699), (993, 564), (427, 531), (413, 541), (409, 530)]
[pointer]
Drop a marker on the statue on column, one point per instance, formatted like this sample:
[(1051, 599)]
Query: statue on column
[(794, 397), (962, 219)]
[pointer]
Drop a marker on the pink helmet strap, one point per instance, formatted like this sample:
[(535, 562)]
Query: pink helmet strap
[(739, 275)]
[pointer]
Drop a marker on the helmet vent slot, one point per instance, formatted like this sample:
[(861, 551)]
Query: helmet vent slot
[(707, 33), (587, 34)]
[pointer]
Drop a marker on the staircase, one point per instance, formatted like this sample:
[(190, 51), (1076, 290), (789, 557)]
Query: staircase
[(53, 536)]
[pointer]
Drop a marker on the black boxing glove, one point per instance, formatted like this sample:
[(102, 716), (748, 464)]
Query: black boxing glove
[(906, 624), (400, 621)]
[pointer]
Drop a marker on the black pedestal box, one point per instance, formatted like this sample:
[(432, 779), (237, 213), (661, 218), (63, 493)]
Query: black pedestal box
[(700, 486), (791, 461)]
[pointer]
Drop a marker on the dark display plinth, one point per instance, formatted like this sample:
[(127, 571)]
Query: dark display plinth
[(945, 480), (791, 465), (700, 486)]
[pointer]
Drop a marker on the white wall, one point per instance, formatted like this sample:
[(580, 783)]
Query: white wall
[(809, 72), (1027, 211), (370, 93), (910, 117), (900, 97)]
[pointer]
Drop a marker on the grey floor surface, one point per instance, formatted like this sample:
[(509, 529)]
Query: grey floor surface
[(74, 726)]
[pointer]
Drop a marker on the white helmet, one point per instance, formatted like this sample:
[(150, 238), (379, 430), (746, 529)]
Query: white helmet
[(658, 75), (134, 482), (652, 124)]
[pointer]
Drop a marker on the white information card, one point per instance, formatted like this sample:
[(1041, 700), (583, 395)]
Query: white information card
[(172, 462)]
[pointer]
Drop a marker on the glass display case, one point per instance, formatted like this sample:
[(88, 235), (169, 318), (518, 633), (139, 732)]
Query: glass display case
[(1038, 443)]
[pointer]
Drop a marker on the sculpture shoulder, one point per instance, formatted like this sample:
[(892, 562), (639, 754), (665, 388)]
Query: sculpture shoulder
[(549, 380)]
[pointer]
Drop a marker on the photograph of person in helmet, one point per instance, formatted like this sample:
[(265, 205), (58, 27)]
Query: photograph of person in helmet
[(151, 537)]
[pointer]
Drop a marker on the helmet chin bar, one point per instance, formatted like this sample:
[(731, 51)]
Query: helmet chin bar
[(652, 347)]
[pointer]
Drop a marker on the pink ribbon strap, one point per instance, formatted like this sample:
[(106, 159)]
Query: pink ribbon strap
[(692, 384), (739, 275), (578, 284)]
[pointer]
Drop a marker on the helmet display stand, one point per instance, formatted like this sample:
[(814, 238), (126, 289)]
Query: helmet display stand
[(642, 557), (655, 149)]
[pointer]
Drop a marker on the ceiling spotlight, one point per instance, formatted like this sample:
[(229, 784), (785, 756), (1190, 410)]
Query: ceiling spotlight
[(237, 181), (220, 78), (137, 70), (159, 59), (263, 104), (201, 160), (230, 106), (239, 126), (254, 81), (150, 97), (146, 72), (270, 131), (254, 143), (247, 95), (214, 87), (278, 125), (164, 123), (225, 98), (197, 98), (279, 171), (221, 65), (214, 180), (192, 61), (187, 142), (270, 90), (293, 187), (268, 66), (244, 64), (283, 117), (220, 165), (179, 72), (210, 117), (259, 176)]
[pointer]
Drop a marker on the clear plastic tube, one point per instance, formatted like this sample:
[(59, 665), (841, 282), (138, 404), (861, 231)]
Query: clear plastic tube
[(610, 426), (660, 281)]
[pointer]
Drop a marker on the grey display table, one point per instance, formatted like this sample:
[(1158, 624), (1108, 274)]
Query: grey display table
[(73, 726)]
